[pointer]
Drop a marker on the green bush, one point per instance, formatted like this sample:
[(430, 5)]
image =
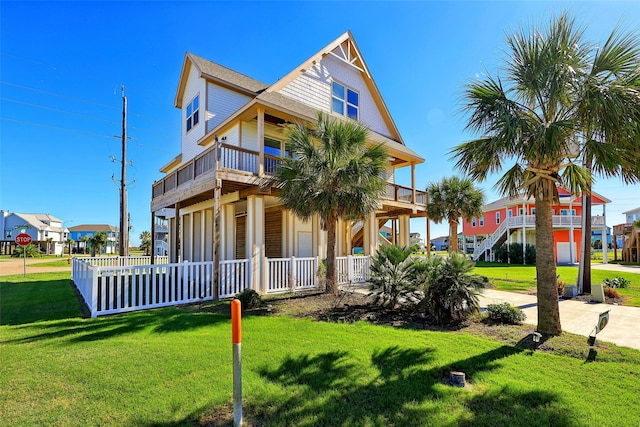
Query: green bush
[(616, 282), (530, 254), (450, 291), (392, 274), (515, 253), (502, 254), (31, 251), (249, 299), (505, 313)]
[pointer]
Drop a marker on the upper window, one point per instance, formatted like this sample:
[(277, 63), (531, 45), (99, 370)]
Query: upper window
[(509, 213), (345, 101), (497, 217), (473, 222), (193, 113), (482, 222)]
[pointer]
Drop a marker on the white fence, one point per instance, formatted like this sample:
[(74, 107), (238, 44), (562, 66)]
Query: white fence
[(111, 285), (353, 269), (109, 290)]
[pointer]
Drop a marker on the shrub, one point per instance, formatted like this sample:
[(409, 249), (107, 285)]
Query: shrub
[(610, 292), (502, 254), (451, 293), (560, 285), (505, 313), (392, 274), (515, 253), (530, 254), (616, 282), (249, 299), (31, 251)]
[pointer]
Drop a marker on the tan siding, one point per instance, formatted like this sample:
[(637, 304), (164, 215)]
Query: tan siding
[(273, 233), (241, 237)]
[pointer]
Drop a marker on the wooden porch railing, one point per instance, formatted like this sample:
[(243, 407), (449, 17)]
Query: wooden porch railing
[(242, 159)]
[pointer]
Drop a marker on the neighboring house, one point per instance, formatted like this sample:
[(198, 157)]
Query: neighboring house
[(596, 234), (233, 136), (89, 230), (46, 231), (507, 221), (161, 232), (629, 236), (440, 243)]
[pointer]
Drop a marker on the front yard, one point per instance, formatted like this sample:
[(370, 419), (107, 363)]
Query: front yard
[(173, 367)]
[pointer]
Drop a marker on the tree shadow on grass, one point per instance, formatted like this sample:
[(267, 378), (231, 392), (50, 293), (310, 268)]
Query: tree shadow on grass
[(165, 320), (327, 389)]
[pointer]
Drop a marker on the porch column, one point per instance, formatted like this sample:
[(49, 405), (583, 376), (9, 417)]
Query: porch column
[(413, 183), (227, 232), (175, 236), (393, 231), (572, 258), (153, 239), (288, 230), (340, 237), (255, 240), (261, 141), (404, 230), (370, 232), (318, 238), (524, 230), (349, 237)]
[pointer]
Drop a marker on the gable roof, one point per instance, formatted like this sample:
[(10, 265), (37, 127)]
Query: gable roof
[(345, 49), (39, 221), (216, 73)]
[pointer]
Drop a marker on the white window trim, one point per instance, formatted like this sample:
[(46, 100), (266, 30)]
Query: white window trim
[(497, 217), (473, 222), (188, 118), (481, 222), (345, 101)]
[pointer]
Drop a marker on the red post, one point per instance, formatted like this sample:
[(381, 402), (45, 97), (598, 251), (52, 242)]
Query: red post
[(236, 322)]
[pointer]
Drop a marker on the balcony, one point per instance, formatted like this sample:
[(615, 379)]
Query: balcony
[(239, 164), (559, 221)]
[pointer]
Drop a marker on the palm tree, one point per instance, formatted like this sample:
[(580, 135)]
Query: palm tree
[(85, 240), (540, 119), (49, 240), (69, 243), (333, 173), (97, 242), (145, 242), (451, 199)]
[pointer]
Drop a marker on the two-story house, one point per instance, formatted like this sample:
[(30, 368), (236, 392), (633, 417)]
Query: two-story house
[(512, 220), (79, 232), (212, 195), (46, 231)]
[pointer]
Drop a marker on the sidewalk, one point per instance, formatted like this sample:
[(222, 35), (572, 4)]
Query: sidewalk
[(578, 317)]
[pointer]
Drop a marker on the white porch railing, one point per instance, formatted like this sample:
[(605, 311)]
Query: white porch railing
[(353, 269), (291, 274), (234, 277), (119, 261)]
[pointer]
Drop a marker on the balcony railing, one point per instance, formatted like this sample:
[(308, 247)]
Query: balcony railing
[(241, 159)]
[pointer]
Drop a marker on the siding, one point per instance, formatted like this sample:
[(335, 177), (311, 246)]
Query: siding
[(313, 88), (250, 136), (241, 237), (222, 103), (190, 148), (273, 233)]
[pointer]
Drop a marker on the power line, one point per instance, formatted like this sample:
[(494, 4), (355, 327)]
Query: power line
[(57, 94), (22, 122), (58, 110)]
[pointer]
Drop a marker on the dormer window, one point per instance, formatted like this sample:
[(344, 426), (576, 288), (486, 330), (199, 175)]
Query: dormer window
[(193, 113), (345, 101)]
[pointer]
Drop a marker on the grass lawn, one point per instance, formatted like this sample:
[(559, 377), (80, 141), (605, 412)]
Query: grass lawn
[(522, 278), (171, 367)]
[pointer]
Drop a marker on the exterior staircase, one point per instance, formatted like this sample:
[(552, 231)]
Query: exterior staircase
[(496, 239)]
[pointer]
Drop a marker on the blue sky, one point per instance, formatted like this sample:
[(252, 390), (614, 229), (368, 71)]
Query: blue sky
[(62, 65)]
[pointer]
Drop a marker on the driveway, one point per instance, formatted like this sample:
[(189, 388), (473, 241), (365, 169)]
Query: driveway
[(577, 317)]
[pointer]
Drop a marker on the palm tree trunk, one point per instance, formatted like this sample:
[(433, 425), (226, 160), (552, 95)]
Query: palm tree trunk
[(453, 236), (548, 310), (332, 286)]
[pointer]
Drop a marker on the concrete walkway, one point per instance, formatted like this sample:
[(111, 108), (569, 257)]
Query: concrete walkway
[(577, 317)]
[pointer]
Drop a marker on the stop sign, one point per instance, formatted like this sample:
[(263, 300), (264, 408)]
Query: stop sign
[(23, 239)]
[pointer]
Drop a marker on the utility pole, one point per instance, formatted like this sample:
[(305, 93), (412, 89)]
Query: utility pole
[(124, 223)]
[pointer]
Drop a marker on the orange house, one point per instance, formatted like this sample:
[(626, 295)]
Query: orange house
[(512, 220)]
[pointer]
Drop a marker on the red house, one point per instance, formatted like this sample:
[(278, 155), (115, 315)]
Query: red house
[(512, 220)]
